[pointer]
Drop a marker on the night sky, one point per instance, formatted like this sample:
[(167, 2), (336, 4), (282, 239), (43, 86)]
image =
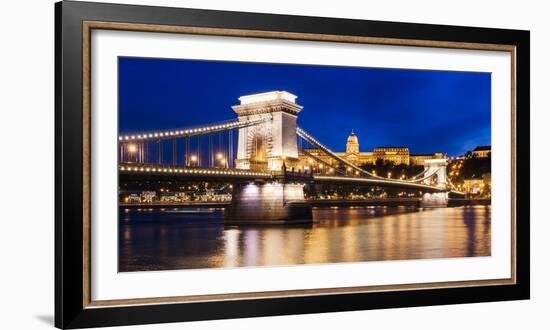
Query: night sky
[(427, 111)]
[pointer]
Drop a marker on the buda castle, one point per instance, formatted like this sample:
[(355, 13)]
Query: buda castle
[(397, 155)]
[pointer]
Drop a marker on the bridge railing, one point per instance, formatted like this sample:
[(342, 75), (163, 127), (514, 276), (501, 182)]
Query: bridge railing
[(285, 173)]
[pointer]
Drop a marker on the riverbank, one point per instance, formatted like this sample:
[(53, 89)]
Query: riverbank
[(453, 202)]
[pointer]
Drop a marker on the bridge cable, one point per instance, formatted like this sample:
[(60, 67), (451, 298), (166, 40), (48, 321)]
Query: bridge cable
[(307, 153)]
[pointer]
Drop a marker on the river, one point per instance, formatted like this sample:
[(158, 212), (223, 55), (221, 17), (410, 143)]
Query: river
[(172, 238)]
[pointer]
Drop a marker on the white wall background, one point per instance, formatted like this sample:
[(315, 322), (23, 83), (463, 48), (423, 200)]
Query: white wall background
[(27, 120)]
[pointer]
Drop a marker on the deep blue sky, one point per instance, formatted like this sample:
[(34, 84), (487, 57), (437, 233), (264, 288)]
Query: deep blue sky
[(427, 111)]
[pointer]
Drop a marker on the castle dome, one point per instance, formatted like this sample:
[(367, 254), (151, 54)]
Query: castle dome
[(352, 138), (352, 146)]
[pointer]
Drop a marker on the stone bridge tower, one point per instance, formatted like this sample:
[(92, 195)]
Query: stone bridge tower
[(267, 145), (436, 168)]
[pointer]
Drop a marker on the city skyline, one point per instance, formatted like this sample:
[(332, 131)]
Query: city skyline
[(384, 107)]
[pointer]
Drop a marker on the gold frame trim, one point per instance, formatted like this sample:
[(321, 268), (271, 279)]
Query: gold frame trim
[(88, 26)]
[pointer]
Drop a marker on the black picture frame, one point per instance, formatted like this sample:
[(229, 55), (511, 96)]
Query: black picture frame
[(70, 310)]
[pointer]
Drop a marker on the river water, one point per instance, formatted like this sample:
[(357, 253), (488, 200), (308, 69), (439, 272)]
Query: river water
[(165, 239)]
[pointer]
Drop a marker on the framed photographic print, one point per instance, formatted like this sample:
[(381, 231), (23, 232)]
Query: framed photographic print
[(218, 164)]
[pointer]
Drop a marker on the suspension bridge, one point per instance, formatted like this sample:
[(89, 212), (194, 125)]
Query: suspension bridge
[(266, 157)]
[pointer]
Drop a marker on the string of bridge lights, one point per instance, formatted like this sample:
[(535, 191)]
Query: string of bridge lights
[(159, 169), (190, 131)]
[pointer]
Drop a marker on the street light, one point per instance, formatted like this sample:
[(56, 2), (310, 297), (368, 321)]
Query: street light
[(132, 148)]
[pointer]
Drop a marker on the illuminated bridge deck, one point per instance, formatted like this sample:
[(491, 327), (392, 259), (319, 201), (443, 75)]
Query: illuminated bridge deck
[(192, 172), (327, 179), (234, 175)]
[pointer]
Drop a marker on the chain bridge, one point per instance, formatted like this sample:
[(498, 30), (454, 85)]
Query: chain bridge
[(261, 153)]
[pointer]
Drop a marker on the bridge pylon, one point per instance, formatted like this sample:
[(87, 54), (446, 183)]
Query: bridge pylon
[(268, 202), (272, 142), (435, 168)]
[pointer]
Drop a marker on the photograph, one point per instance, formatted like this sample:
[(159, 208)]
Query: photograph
[(228, 164)]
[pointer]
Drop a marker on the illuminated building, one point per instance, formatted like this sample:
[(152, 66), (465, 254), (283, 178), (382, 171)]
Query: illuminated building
[(352, 154), (418, 159), (473, 186), (478, 186), (352, 146), (397, 155), (481, 152), (148, 196), (133, 198), (168, 198)]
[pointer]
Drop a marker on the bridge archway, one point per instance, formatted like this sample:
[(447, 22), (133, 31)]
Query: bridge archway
[(258, 148)]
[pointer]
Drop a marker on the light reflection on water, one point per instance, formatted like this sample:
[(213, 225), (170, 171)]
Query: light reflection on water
[(164, 239)]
